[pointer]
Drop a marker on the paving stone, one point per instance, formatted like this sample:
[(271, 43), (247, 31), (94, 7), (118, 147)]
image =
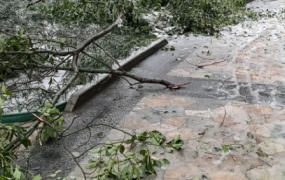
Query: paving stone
[(185, 134), (278, 159), (197, 113), (181, 101), (260, 130), (177, 121), (163, 128), (179, 72), (158, 101), (226, 176), (186, 171), (151, 103), (272, 146), (134, 123), (116, 135), (266, 173), (226, 121)]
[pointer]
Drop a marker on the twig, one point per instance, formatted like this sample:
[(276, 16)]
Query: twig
[(97, 60), (100, 34), (89, 137), (73, 157), (224, 116), (265, 162), (38, 118), (108, 54), (31, 4), (69, 125)]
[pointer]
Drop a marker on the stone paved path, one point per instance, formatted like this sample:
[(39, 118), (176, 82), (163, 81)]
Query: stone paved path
[(246, 92)]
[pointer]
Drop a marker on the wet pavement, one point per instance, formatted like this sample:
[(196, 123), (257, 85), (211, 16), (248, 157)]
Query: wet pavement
[(235, 99)]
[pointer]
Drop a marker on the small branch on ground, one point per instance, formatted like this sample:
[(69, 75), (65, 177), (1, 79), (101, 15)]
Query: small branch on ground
[(222, 123), (31, 4)]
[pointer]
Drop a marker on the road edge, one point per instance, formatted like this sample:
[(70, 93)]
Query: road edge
[(85, 93)]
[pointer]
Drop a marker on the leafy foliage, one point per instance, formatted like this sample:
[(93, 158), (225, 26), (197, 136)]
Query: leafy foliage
[(132, 158), (18, 42), (53, 122), (205, 17), (208, 16), (8, 132)]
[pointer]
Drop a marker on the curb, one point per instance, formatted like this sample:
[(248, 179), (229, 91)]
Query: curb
[(86, 92)]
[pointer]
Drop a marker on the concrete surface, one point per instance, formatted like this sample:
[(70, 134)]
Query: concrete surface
[(244, 88)]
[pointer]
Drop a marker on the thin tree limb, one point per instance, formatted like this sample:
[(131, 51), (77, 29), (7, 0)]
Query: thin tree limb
[(108, 54)]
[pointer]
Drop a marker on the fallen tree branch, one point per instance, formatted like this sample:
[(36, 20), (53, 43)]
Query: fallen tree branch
[(16, 142), (118, 73)]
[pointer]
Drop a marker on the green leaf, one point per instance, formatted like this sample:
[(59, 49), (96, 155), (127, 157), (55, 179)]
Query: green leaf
[(95, 175), (21, 32), (8, 70), (91, 165), (4, 90), (53, 111), (207, 76), (61, 44), (46, 114), (225, 148), (170, 150), (37, 177), (137, 173), (153, 140), (157, 163), (108, 142), (52, 175), (195, 178), (17, 174), (131, 171), (122, 149), (130, 141), (129, 154), (143, 152), (125, 170), (150, 167), (50, 81), (9, 93), (58, 171), (26, 142), (176, 138), (94, 159), (95, 150), (48, 105), (177, 146), (165, 161)]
